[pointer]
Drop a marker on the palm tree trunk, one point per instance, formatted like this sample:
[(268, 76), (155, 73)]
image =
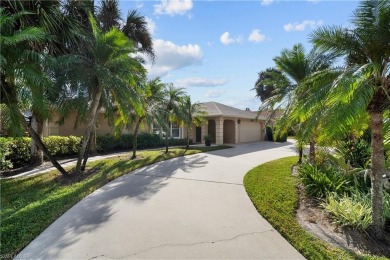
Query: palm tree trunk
[(300, 155), (377, 171), (166, 142), (91, 146), (36, 152), (135, 135), (188, 139), (312, 151), (91, 120), (39, 143)]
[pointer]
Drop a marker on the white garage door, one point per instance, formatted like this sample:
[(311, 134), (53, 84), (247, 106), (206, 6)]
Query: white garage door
[(250, 131)]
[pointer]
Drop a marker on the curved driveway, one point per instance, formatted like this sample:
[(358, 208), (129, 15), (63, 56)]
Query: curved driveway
[(189, 207)]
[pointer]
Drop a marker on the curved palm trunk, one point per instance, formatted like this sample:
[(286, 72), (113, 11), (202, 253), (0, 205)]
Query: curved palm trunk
[(91, 119), (39, 143), (135, 135), (300, 154), (377, 172), (36, 152)]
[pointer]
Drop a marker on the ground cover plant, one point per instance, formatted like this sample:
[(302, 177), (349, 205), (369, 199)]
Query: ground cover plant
[(273, 191), (29, 205)]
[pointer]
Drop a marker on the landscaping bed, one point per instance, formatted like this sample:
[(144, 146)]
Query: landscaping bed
[(273, 191)]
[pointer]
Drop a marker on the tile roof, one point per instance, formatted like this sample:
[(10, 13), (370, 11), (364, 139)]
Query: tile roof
[(218, 109)]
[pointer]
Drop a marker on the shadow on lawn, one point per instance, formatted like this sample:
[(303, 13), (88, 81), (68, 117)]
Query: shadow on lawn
[(97, 208)]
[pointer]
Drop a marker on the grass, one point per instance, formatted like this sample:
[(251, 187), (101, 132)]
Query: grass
[(29, 205), (272, 189)]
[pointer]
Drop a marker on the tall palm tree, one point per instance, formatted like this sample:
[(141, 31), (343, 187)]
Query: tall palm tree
[(193, 113), (105, 75), (135, 27), (64, 33), (364, 85), (172, 105), (20, 69)]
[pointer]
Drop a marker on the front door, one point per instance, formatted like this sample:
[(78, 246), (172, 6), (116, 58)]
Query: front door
[(198, 134)]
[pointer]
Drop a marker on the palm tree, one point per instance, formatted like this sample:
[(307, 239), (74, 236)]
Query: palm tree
[(135, 27), (297, 66), (105, 76), (194, 113), (172, 105), (64, 33), (20, 69), (364, 85), (151, 112)]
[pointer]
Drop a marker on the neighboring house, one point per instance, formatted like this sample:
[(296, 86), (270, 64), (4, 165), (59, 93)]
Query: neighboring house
[(226, 124)]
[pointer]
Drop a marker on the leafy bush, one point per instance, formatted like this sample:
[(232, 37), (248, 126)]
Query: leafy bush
[(20, 151), (5, 164), (353, 211), (280, 138), (319, 181), (355, 151), (62, 145)]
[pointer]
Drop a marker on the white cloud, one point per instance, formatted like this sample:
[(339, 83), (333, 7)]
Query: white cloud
[(200, 82), (266, 2), (256, 36), (302, 26), (173, 7), (170, 56), (151, 25), (226, 39), (214, 93)]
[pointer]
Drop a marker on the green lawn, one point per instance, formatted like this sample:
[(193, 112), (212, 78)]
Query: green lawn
[(29, 205), (272, 190)]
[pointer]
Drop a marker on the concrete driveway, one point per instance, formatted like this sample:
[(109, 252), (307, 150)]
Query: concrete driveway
[(189, 207)]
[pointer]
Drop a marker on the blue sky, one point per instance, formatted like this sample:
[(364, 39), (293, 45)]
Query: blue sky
[(215, 49)]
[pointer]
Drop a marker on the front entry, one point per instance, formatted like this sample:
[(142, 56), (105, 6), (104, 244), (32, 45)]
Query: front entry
[(198, 138)]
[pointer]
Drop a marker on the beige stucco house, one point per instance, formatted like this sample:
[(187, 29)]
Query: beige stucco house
[(226, 125)]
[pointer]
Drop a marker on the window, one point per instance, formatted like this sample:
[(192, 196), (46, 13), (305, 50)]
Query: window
[(175, 130)]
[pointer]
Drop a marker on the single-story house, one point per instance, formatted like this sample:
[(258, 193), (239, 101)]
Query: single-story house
[(226, 125)]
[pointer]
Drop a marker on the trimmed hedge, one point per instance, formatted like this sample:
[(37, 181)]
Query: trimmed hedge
[(15, 152)]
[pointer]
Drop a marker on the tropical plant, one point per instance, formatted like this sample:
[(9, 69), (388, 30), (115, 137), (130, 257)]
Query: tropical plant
[(319, 181), (20, 69), (193, 113), (267, 83), (103, 76), (172, 105), (135, 27), (364, 85)]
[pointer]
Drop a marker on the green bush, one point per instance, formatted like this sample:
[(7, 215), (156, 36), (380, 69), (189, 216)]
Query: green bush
[(280, 138), (20, 151), (319, 181), (356, 152), (62, 145), (5, 151)]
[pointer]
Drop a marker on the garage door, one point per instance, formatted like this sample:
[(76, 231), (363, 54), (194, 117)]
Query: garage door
[(250, 131)]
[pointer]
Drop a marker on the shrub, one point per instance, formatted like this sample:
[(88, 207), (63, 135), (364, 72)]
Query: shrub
[(280, 138), (353, 211), (20, 151), (319, 181), (356, 152), (62, 145), (5, 164)]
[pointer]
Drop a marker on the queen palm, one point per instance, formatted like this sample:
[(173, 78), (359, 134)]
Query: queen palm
[(104, 76), (21, 69), (192, 113), (364, 86), (135, 27), (172, 106)]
